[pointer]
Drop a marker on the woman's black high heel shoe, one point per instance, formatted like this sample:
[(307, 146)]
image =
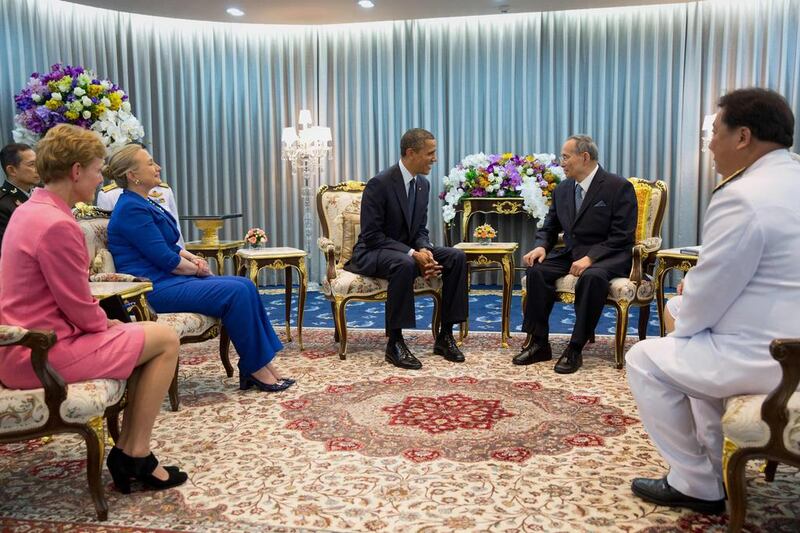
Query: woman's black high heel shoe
[(245, 382), (124, 467)]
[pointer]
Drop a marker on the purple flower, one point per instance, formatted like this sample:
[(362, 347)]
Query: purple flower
[(442, 195), (478, 191)]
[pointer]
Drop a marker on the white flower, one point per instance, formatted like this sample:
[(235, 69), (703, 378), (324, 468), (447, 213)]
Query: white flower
[(24, 135), (56, 96), (126, 106), (78, 92), (86, 101), (453, 196), (105, 101), (544, 158), (36, 98), (533, 200), (558, 172), (448, 212), (64, 86), (105, 84), (475, 160), (84, 79), (87, 115)]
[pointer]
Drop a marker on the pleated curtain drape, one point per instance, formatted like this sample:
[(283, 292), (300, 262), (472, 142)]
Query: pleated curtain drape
[(213, 97)]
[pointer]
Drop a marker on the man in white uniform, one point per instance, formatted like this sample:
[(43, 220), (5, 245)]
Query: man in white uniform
[(742, 294), (160, 194)]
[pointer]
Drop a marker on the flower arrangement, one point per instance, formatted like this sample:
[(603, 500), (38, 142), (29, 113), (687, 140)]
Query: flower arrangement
[(257, 237), (484, 233), (532, 177), (74, 95)]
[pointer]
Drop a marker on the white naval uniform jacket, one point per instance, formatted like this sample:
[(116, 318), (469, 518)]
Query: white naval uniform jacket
[(160, 194), (745, 290)]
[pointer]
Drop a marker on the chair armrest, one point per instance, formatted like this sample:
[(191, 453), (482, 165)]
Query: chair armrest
[(774, 409), (328, 248), (638, 254), (651, 244), (40, 342), (115, 277)]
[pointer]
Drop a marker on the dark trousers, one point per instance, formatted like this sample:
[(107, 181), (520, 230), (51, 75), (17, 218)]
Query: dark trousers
[(401, 269), (591, 292)]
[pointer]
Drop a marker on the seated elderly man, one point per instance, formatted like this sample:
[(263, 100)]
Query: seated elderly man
[(742, 294)]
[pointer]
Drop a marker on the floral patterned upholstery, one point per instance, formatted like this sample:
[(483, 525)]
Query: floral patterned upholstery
[(95, 231), (742, 423), (620, 288), (188, 324), (348, 284), (26, 409)]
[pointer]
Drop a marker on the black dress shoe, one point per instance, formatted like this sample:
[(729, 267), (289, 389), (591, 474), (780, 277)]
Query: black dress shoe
[(535, 353), (569, 362), (400, 356), (659, 492), (446, 345)]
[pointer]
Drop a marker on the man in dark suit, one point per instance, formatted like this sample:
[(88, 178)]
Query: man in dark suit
[(394, 245), (597, 213), (19, 164)]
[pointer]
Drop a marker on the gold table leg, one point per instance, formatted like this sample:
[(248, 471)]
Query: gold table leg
[(303, 285), (287, 301), (508, 281)]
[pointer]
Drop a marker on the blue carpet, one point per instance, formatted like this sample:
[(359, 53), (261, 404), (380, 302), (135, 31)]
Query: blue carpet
[(485, 305)]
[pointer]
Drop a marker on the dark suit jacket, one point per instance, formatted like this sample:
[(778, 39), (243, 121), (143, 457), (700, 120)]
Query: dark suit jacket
[(604, 229), (10, 198), (385, 221)]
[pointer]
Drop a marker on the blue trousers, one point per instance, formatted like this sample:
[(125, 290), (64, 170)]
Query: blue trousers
[(233, 299)]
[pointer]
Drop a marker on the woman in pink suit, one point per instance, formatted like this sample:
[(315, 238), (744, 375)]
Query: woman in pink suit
[(44, 285)]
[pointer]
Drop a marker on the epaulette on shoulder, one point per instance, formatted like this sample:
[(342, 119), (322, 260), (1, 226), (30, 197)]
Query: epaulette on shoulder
[(164, 184), (729, 179), (110, 187)]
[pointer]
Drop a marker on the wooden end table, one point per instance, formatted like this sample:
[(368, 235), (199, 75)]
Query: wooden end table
[(130, 292), (251, 260), (501, 253), (666, 260), (218, 251)]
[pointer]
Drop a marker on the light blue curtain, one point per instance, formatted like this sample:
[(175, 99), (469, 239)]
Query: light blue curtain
[(214, 97)]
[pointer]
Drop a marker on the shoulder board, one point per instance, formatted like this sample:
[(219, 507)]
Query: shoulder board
[(164, 184), (109, 187), (729, 179)]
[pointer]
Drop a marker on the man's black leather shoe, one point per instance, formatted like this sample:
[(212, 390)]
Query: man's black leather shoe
[(446, 345), (659, 492), (535, 353), (569, 362), (400, 356)]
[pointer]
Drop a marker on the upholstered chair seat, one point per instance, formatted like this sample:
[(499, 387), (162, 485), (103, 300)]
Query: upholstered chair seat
[(339, 210)]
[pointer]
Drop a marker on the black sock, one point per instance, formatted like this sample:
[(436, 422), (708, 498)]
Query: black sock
[(447, 328), (574, 346), (395, 335)]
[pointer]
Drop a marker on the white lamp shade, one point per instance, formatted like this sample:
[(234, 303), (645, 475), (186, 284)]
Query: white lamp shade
[(288, 136), (305, 117)]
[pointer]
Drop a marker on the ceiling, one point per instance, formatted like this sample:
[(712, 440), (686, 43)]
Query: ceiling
[(345, 11)]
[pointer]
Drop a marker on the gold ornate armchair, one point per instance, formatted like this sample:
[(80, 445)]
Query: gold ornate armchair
[(637, 290), (339, 211), (762, 427), (190, 327), (60, 408)]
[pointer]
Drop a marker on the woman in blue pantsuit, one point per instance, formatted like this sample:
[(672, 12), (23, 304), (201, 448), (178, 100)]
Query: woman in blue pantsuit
[(142, 237)]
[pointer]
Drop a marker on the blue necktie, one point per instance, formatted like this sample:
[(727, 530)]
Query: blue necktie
[(578, 197), (412, 197)]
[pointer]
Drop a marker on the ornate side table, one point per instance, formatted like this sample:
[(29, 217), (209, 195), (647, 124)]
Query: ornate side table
[(666, 260), (501, 253), (210, 246), (130, 292), (251, 260)]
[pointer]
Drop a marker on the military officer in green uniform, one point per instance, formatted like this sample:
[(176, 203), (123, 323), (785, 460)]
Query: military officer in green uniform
[(19, 164)]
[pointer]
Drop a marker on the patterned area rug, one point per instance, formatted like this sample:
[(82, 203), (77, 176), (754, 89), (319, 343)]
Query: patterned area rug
[(359, 445)]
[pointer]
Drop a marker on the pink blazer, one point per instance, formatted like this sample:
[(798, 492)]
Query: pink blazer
[(44, 285)]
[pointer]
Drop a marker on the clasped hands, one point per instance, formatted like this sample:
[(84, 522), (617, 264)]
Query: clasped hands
[(427, 264), (202, 266), (538, 254)]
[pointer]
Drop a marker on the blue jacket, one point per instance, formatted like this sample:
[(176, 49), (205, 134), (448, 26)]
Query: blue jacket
[(142, 237)]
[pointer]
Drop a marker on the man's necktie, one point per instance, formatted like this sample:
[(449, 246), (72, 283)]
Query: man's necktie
[(578, 197), (412, 197)]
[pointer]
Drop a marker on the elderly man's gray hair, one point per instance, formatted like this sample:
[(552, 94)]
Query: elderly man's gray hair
[(584, 143)]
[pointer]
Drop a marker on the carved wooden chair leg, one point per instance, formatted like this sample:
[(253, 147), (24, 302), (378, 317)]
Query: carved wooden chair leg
[(341, 322), (112, 421), (224, 350), (644, 318), (737, 495), (619, 337), (93, 463), (769, 470), (436, 322), (335, 329), (174, 400)]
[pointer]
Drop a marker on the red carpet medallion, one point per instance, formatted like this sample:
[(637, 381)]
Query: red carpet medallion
[(359, 445)]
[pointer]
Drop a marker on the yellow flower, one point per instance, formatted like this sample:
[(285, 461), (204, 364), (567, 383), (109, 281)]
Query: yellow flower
[(72, 115), (99, 109), (52, 104), (94, 90), (507, 156), (116, 100)]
